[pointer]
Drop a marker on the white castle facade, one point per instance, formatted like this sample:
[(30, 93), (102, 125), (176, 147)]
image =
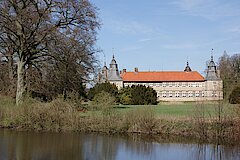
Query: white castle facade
[(184, 85)]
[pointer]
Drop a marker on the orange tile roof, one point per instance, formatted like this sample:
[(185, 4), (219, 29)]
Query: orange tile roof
[(165, 76)]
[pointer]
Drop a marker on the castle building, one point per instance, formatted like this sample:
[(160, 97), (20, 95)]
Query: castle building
[(184, 85)]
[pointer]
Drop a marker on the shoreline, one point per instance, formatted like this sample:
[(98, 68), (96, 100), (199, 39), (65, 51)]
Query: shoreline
[(64, 116)]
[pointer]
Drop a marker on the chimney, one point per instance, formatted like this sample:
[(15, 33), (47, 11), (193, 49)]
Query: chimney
[(120, 72), (124, 70), (135, 69)]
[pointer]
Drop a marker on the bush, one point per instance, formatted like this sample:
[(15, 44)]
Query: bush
[(107, 87), (103, 99), (138, 95), (234, 97)]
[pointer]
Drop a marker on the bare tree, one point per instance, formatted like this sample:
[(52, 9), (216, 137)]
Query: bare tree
[(229, 67), (28, 26)]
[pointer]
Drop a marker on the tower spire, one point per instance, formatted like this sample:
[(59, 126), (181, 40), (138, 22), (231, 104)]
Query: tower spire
[(113, 52), (105, 64), (212, 55)]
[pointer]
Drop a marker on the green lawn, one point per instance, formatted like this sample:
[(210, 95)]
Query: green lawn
[(182, 109)]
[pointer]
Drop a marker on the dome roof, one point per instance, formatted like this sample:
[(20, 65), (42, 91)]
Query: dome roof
[(187, 68)]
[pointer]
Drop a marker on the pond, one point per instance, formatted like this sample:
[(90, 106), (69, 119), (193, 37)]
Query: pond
[(78, 146)]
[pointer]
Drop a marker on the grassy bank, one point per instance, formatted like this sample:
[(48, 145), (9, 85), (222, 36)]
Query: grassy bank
[(203, 121)]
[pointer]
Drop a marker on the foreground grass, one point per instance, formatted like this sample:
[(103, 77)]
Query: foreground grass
[(199, 120)]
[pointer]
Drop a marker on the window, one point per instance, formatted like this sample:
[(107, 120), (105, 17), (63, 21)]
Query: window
[(176, 94), (164, 84), (164, 94), (170, 94), (189, 84), (214, 94), (190, 94), (184, 94), (197, 94), (177, 84), (197, 85)]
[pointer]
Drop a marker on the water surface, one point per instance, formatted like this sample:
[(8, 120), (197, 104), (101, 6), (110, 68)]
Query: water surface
[(75, 146)]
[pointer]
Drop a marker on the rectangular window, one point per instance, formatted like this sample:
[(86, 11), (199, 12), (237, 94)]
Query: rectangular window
[(197, 84), (184, 94), (189, 84), (164, 94), (164, 84), (190, 94), (170, 94), (176, 94), (214, 94), (177, 84)]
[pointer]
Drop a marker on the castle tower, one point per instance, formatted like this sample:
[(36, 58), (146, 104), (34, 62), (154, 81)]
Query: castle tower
[(114, 76), (104, 74), (113, 71), (212, 71), (213, 82)]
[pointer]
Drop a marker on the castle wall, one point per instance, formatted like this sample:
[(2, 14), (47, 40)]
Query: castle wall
[(184, 91)]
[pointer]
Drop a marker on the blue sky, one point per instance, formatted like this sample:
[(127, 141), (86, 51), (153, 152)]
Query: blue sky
[(161, 35)]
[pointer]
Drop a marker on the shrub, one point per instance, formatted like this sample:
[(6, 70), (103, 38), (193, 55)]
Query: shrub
[(107, 87), (103, 99), (138, 95)]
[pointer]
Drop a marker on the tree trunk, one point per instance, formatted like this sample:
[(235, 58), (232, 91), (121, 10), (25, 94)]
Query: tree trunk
[(21, 88)]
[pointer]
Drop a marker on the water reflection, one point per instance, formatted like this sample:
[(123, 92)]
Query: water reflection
[(61, 146)]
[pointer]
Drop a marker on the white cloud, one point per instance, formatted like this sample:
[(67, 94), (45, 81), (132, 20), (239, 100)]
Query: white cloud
[(130, 27), (210, 9), (144, 40)]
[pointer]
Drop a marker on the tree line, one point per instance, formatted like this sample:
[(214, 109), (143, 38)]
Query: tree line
[(229, 67), (47, 47)]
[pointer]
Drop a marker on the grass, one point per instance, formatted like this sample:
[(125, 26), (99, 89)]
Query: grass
[(177, 110), (185, 119)]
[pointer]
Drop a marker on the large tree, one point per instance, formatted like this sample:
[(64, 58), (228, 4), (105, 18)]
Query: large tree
[(28, 26)]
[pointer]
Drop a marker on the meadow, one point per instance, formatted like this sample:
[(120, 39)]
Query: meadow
[(200, 120)]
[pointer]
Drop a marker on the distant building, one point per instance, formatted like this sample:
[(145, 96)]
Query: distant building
[(184, 85)]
